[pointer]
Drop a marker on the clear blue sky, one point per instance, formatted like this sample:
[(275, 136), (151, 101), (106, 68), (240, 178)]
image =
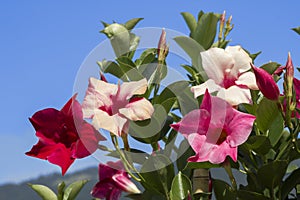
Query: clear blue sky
[(43, 44)]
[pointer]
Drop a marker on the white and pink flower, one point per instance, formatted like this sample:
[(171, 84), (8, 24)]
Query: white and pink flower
[(228, 74), (111, 106)]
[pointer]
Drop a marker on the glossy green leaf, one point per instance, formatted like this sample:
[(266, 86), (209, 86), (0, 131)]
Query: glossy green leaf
[(44, 192), (297, 30), (247, 195), (290, 182), (270, 67), (271, 174), (193, 49), (181, 187), (73, 189), (158, 172), (269, 120), (259, 144), (190, 21), (130, 24), (206, 30), (119, 38), (223, 190), (137, 156)]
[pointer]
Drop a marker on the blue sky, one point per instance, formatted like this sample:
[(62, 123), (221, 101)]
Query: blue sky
[(43, 44)]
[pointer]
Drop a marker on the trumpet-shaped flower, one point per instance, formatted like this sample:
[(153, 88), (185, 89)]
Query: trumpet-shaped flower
[(112, 106), (215, 130), (228, 74), (63, 135), (112, 181)]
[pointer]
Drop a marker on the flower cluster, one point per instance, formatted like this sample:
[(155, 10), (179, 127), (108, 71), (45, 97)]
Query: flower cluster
[(241, 117)]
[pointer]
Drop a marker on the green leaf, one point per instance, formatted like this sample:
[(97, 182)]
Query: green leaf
[(60, 188), (148, 56), (259, 144), (119, 38), (246, 195), (158, 172), (206, 30), (137, 156), (272, 173), (290, 182), (202, 165), (270, 67), (190, 21), (44, 192), (223, 190), (153, 129), (72, 190), (181, 187), (269, 120), (193, 49), (130, 24), (105, 24), (297, 30)]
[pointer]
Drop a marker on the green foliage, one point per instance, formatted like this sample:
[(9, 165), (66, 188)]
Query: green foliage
[(297, 30), (181, 187), (69, 193)]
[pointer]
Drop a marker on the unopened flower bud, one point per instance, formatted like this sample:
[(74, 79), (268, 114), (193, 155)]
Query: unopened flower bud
[(266, 83), (163, 49), (289, 76)]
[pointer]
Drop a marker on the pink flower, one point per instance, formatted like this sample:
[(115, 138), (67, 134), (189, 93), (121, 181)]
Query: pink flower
[(112, 106), (63, 135), (228, 74), (215, 130), (297, 91), (112, 181), (266, 83)]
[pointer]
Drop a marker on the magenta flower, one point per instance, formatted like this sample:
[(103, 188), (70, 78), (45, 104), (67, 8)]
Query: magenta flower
[(63, 135), (215, 130), (113, 179), (266, 83), (297, 91), (228, 75), (112, 106)]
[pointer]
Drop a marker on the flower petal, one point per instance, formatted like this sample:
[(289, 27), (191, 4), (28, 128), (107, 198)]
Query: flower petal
[(215, 62), (102, 189), (200, 89), (241, 58), (247, 79), (125, 184), (219, 153), (235, 95), (73, 109), (239, 128), (97, 95), (128, 89), (115, 124), (137, 109), (196, 121)]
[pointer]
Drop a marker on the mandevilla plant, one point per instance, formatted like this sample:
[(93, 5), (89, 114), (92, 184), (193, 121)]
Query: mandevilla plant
[(230, 113)]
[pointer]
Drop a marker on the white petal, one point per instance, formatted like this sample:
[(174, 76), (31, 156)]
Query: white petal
[(98, 94), (114, 124), (140, 109), (128, 89), (247, 79), (235, 95), (215, 62), (200, 89), (241, 58)]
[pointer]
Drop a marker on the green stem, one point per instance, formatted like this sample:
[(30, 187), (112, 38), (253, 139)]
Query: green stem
[(228, 169)]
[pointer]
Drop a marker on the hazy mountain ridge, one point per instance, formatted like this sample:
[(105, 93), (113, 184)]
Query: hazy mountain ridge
[(22, 191)]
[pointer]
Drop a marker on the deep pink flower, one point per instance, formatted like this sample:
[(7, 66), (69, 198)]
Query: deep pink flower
[(215, 130), (63, 135), (112, 106), (228, 74), (266, 83), (113, 179), (297, 91)]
